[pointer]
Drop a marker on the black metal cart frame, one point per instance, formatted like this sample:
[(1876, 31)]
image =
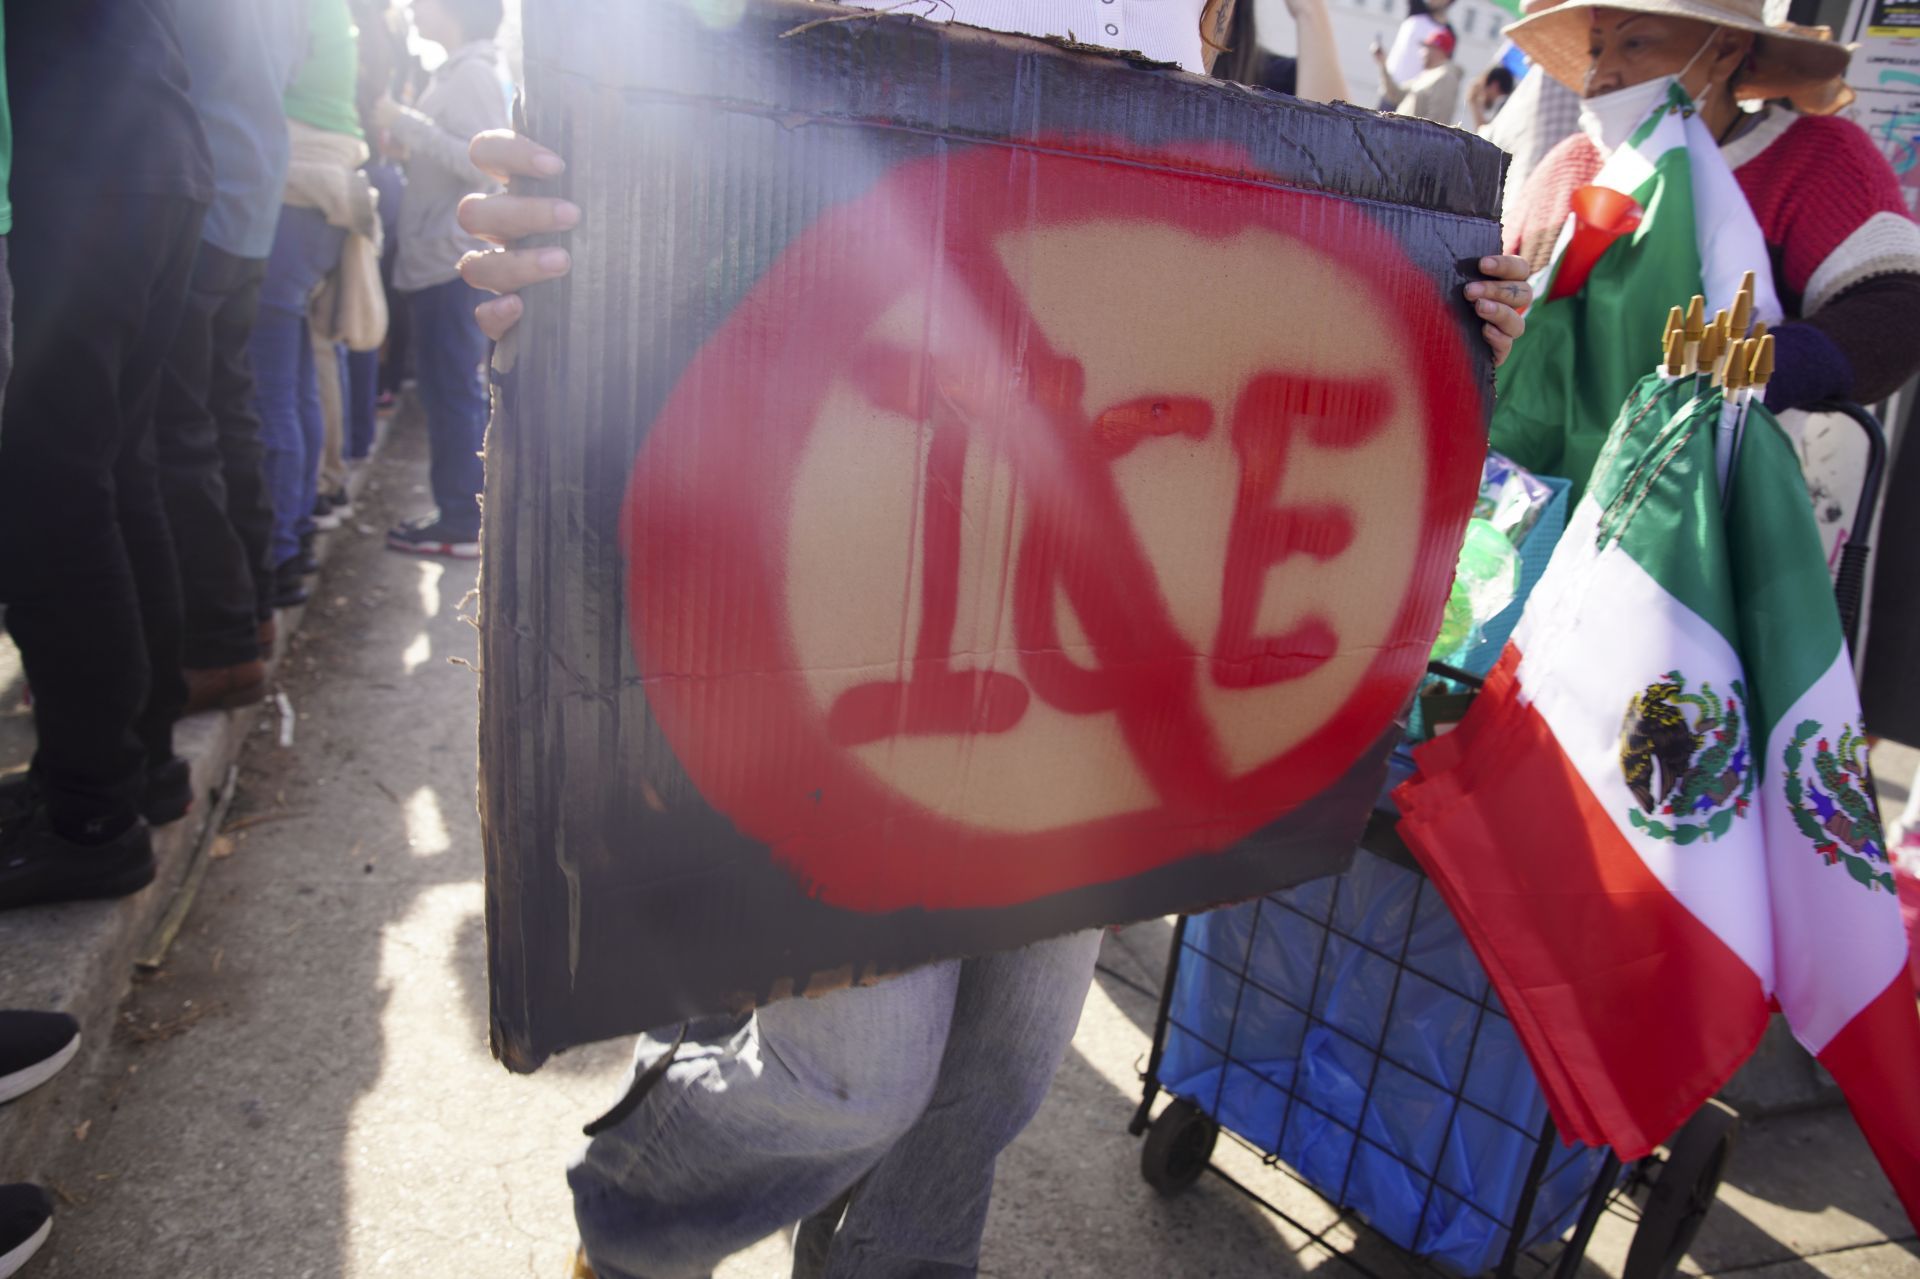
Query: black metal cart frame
[(1546, 1140)]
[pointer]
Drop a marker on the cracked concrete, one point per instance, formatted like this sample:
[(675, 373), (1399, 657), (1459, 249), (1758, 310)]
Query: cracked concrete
[(305, 1090)]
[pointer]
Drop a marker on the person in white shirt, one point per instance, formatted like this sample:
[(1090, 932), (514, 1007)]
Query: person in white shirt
[(1407, 56), (1434, 94), (891, 1100)]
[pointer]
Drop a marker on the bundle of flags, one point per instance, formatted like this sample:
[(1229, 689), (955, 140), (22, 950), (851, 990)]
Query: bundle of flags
[(1656, 822), (1664, 218)]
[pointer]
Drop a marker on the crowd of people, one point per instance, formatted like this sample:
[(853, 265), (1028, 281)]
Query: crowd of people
[(227, 232), (207, 262)]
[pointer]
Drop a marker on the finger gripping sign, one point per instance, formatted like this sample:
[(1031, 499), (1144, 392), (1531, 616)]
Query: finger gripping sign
[(1030, 533)]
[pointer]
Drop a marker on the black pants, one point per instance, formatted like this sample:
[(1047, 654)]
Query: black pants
[(86, 563), (207, 437)]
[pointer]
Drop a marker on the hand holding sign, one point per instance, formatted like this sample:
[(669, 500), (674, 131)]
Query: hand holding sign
[(1500, 303), (917, 529)]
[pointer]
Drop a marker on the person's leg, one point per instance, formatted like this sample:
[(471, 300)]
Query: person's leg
[(230, 398), (449, 354), (304, 249), (275, 350), (920, 1212), (330, 372), (363, 396), (6, 323), (156, 578), (313, 436), (216, 579), (756, 1125), (143, 519), (396, 357), (88, 345)]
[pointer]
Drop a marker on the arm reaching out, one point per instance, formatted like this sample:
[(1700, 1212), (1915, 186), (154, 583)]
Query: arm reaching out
[(1319, 76)]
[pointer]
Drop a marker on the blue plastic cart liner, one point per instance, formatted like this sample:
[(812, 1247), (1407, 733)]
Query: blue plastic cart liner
[(1346, 1027)]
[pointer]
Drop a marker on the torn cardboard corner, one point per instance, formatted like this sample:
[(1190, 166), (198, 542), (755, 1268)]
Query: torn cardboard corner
[(1180, 33), (967, 491)]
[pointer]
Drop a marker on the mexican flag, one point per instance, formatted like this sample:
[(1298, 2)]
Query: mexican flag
[(1583, 352), (1656, 820)]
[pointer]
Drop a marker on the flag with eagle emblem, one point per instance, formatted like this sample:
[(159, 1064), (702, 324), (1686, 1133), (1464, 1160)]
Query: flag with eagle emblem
[(1656, 822)]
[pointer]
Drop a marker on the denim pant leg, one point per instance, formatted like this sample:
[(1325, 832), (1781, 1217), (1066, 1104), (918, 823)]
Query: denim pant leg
[(313, 434), (279, 338), (920, 1212), (449, 352), (760, 1123), (305, 248)]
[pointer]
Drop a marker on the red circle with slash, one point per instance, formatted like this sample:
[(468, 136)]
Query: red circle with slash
[(709, 507)]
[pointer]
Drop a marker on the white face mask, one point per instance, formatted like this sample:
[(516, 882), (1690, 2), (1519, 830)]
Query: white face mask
[(1609, 119)]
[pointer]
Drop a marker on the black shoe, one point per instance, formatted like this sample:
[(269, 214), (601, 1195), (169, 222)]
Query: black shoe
[(325, 518), (37, 865), (34, 1047), (341, 503), (169, 793), (17, 798), (431, 535), (26, 1218), (289, 587), (167, 798)]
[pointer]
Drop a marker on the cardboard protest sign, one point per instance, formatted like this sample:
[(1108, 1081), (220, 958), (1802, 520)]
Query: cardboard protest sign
[(969, 489)]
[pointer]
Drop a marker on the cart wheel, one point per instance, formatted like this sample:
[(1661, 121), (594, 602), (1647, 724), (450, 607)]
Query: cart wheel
[(1682, 1192), (1179, 1143)]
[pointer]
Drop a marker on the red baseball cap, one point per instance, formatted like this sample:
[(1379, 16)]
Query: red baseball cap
[(1441, 40)]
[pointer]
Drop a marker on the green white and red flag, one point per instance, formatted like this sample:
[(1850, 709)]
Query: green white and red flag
[(1656, 820), (1605, 291)]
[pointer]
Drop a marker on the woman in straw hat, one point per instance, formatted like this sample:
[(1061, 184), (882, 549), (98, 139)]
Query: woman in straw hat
[(1844, 251)]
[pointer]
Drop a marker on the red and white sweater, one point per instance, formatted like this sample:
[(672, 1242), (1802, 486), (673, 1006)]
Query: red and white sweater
[(1831, 212)]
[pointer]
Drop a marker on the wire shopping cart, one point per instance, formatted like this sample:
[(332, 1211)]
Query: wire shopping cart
[(1344, 1031)]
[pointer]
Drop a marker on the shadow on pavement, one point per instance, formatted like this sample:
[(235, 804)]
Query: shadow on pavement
[(296, 1093)]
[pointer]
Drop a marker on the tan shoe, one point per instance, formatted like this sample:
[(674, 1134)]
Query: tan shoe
[(225, 687), (581, 1270)]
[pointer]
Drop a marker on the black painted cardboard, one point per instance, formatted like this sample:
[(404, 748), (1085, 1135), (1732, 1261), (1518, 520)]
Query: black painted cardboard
[(752, 179)]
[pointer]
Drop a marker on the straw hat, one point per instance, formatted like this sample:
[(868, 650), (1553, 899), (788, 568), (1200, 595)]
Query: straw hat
[(1789, 61)]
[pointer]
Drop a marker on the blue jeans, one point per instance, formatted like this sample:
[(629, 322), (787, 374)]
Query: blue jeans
[(292, 433), (910, 1088), (449, 359)]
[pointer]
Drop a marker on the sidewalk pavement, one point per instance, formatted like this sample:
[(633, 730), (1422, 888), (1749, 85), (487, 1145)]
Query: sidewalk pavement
[(78, 957), (305, 1090)]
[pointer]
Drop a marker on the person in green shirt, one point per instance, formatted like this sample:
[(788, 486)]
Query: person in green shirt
[(327, 198)]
